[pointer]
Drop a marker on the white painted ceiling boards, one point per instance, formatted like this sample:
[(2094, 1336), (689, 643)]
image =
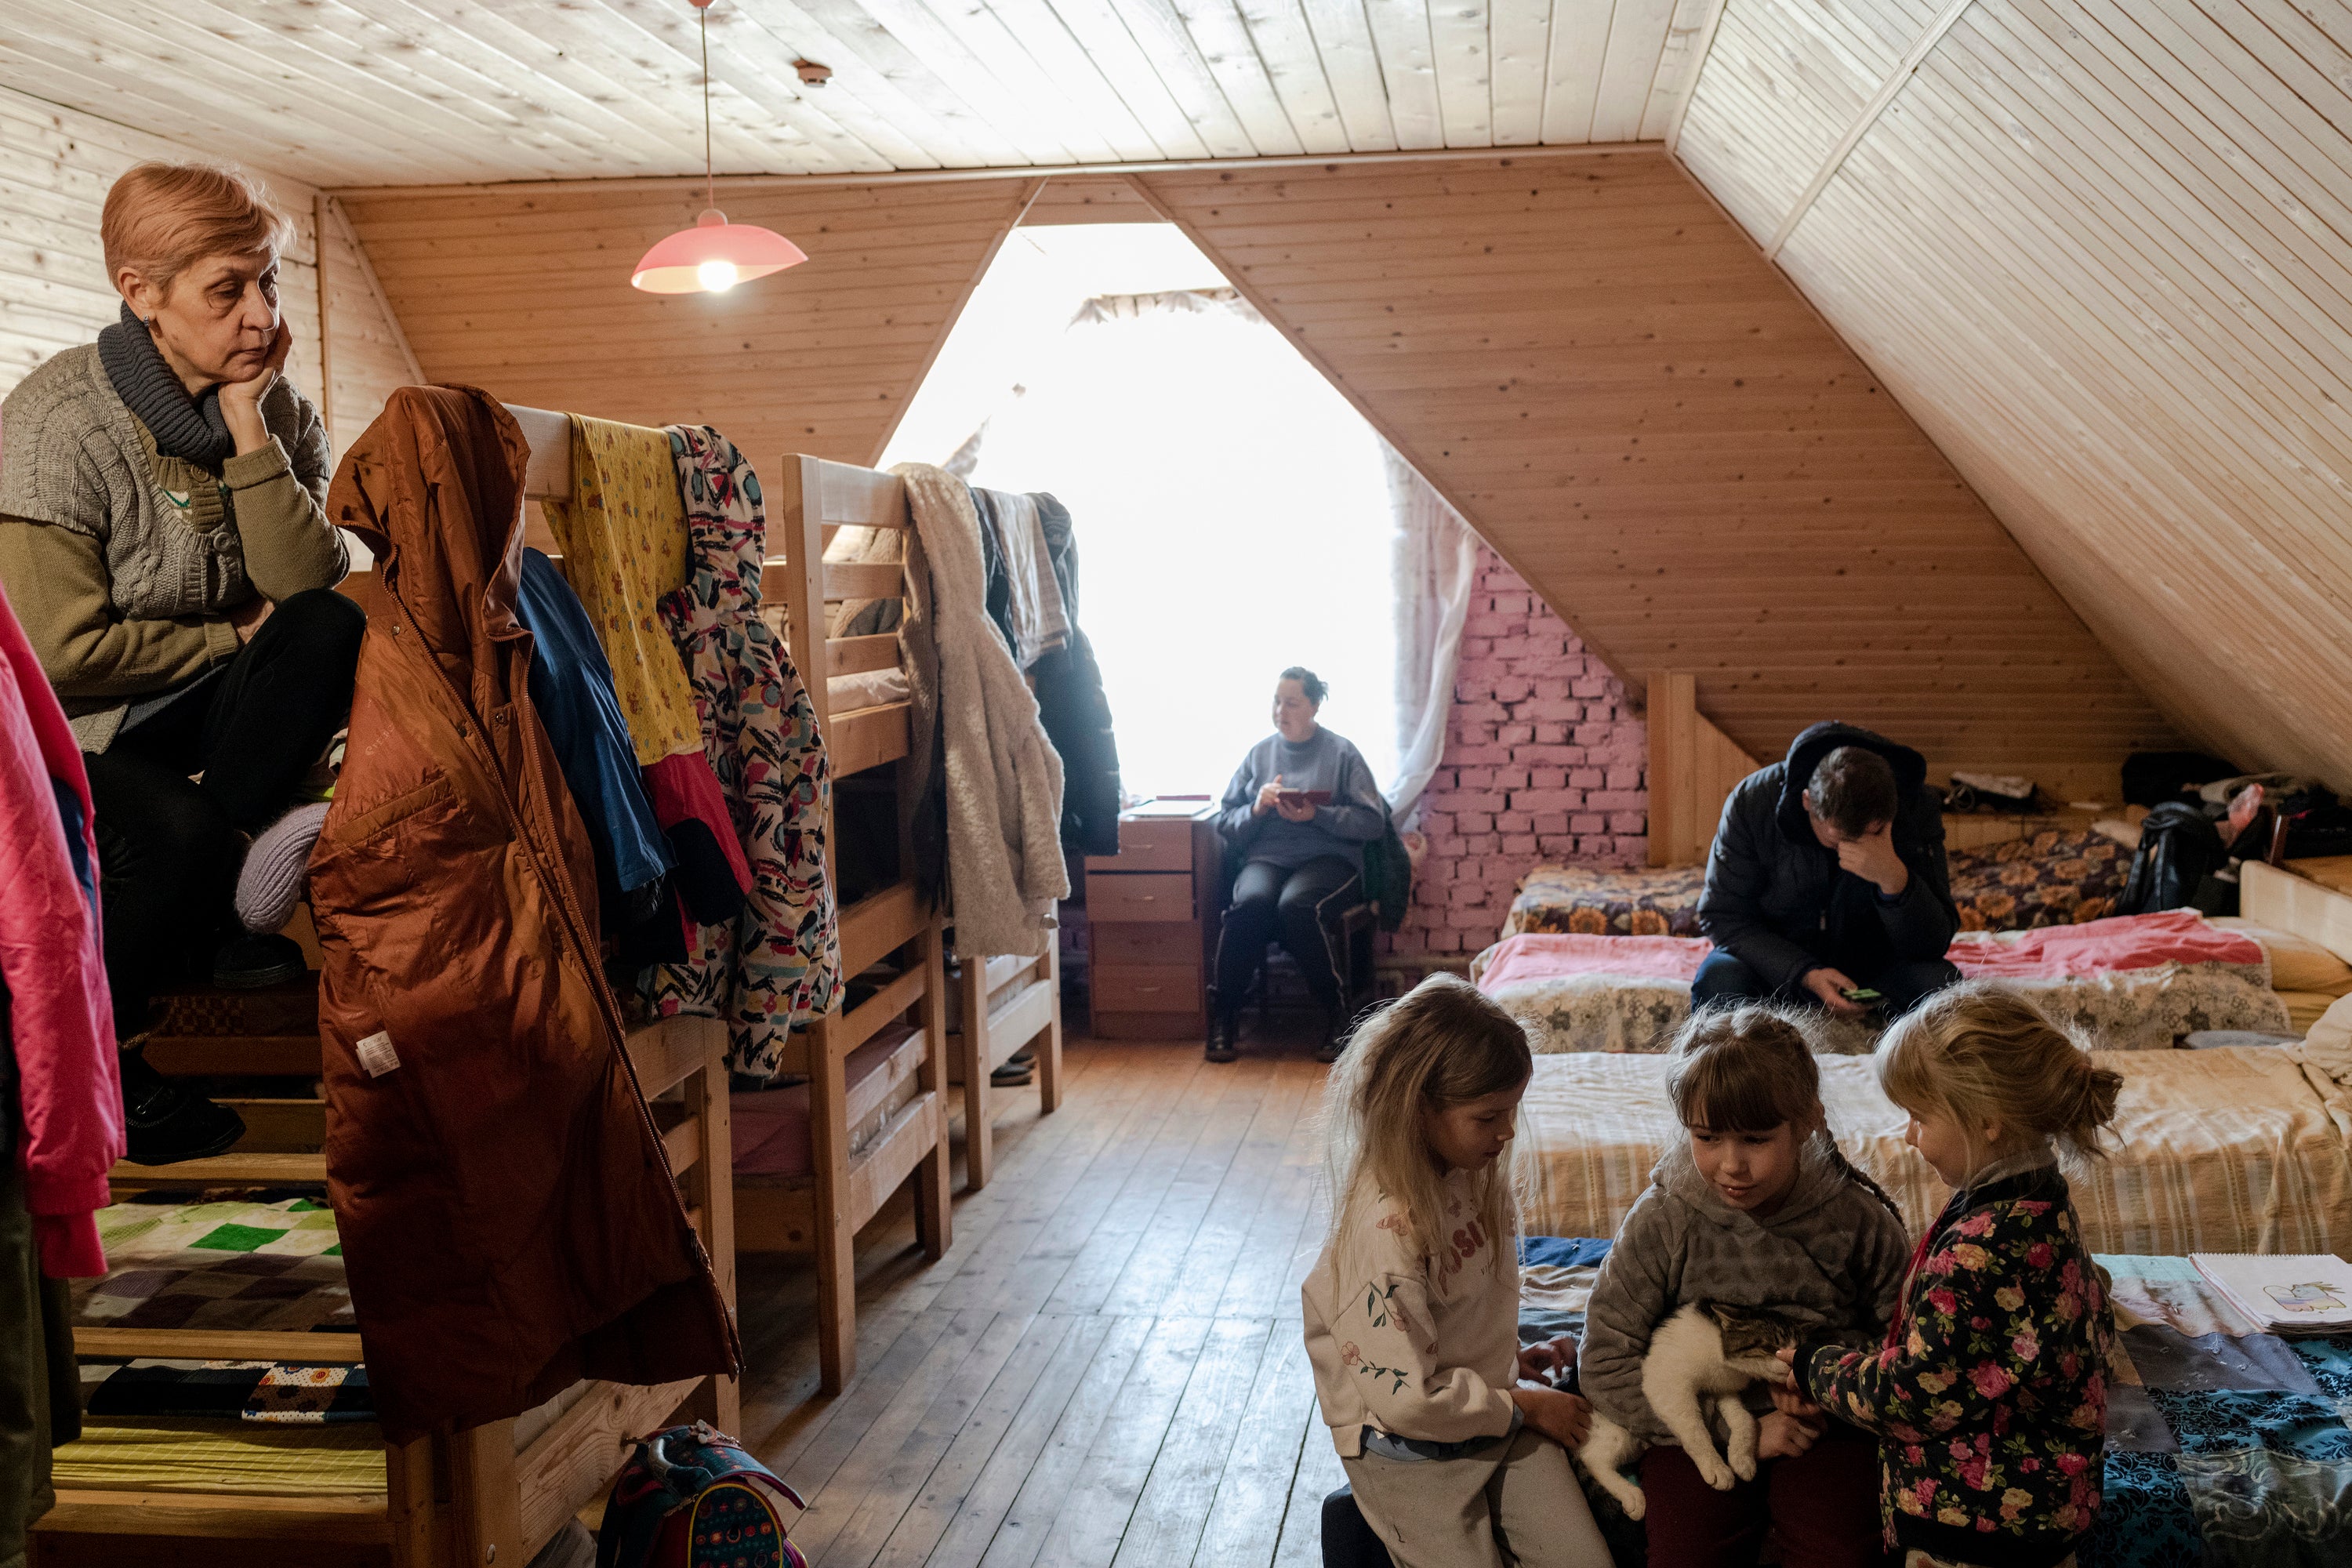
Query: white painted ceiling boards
[(397, 92), (2102, 250)]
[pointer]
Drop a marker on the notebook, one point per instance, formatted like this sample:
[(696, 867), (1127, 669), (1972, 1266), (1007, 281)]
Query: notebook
[(2308, 1294)]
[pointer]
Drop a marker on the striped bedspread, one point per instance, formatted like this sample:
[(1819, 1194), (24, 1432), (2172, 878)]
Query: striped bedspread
[(2226, 1150)]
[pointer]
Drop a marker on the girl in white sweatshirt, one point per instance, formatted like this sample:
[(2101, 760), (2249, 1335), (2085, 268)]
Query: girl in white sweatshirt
[(1412, 1312)]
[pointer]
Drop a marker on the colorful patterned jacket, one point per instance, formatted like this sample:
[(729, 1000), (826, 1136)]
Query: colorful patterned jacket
[(1990, 1398)]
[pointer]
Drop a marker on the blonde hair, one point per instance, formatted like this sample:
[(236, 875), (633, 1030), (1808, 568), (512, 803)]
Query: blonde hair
[(1980, 1053), (1443, 1043), (162, 219), (1750, 1068)]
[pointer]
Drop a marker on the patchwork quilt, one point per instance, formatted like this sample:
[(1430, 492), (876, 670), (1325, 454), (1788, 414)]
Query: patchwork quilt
[(259, 1260), (2225, 1445)]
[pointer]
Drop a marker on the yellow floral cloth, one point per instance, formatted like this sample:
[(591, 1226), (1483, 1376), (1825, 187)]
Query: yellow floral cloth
[(622, 534)]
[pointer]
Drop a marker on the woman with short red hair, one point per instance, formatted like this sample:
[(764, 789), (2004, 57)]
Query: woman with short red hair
[(165, 541)]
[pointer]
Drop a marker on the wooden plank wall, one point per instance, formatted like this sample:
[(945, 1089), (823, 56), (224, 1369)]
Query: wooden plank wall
[(1599, 370), (2099, 249), (55, 166), (527, 294), (1693, 766)]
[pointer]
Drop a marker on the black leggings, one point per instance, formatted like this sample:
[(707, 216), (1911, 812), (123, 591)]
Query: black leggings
[(1290, 903), (169, 849)]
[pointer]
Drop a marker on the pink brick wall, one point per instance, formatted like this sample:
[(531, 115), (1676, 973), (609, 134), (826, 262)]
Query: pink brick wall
[(1544, 761)]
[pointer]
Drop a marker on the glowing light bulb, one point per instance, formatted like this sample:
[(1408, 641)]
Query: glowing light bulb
[(716, 277)]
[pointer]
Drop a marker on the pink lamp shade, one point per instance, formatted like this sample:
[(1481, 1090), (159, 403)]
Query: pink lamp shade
[(714, 256)]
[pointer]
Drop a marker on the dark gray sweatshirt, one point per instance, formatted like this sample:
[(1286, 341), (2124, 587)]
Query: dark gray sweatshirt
[(1356, 816), (1833, 1257)]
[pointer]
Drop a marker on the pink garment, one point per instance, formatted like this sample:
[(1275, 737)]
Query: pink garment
[(1545, 956), (60, 1020), (2102, 947)]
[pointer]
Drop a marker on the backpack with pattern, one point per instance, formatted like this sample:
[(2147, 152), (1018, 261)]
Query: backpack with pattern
[(691, 1498)]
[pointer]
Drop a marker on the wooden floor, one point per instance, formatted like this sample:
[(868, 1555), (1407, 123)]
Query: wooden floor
[(1106, 1369)]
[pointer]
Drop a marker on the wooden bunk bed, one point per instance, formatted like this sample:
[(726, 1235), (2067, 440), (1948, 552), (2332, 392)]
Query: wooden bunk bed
[(890, 941), (480, 1496)]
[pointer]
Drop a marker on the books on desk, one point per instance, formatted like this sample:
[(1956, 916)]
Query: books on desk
[(2310, 1294)]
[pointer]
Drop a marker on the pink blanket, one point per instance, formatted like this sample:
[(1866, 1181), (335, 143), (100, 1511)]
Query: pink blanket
[(2053, 953)]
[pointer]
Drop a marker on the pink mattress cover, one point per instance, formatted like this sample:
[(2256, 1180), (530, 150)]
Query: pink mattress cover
[(771, 1126), (2053, 953)]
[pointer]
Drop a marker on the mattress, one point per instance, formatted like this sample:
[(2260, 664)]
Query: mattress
[(2127, 983), (2224, 1444), (1602, 901), (771, 1126), (2225, 1151), (259, 1260), (224, 1457)]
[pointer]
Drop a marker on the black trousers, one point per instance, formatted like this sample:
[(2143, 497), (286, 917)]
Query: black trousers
[(1723, 978), (1293, 905), (169, 847)]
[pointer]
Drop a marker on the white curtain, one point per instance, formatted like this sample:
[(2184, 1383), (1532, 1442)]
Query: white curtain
[(1232, 515), (1435, 557)]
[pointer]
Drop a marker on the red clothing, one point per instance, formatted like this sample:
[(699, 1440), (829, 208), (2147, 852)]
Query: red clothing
[(692, 811), (1822, 1504), (60, 1021)]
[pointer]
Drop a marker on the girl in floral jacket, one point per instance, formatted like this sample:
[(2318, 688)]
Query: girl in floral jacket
[(1989, 1395)]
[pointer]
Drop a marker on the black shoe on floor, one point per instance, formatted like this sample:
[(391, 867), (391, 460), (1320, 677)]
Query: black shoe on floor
[(254, 962), (1221, 1037), (1019, 1069), (167, 1124), (1335, 1036)]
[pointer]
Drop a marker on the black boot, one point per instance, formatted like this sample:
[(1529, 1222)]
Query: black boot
[(1335, 1035), (1223, 1031), (166, 1123)]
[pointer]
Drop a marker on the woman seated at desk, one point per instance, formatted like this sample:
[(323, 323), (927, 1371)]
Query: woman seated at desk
[(1297, 815)]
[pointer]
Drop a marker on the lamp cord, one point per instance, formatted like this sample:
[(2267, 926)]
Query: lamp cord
[(709, 180)]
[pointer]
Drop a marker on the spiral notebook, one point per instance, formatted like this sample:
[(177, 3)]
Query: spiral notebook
[(2308, 1294)]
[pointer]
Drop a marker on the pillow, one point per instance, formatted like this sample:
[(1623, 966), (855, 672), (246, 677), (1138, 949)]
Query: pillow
[(2305, 1008), (2328, 1047), (2297, 962)]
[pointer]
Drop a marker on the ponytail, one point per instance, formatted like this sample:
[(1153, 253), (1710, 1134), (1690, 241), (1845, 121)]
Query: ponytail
[(1984, 1054)]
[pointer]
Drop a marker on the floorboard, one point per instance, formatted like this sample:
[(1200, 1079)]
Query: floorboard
[(1106, 1369)]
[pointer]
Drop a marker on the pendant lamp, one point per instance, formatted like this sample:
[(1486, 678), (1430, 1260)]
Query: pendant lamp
[(714, 254)]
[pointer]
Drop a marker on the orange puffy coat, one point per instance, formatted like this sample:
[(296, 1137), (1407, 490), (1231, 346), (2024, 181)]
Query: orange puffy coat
[(508, 1215)]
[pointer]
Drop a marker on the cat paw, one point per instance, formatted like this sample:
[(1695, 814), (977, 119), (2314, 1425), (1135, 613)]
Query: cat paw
[(1744, 1466), (1718, 1475), (1637, 1503)]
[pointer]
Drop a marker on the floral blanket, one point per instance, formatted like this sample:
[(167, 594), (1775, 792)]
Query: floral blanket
[(2129, 983), (2225, 1445), (2050, 879)]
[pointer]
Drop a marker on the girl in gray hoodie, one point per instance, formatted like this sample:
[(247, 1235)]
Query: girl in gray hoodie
[(1755, 1207)]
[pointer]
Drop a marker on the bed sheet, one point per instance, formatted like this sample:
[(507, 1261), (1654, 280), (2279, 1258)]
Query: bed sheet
[(2225, 1150), (2225, 1445), (224, 1457), (255, 1260)]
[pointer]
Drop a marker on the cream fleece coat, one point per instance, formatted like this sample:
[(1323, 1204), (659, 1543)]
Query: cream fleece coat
[(1003, 778)]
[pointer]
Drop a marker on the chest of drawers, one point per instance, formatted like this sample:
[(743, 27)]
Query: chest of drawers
[(1151, 922)]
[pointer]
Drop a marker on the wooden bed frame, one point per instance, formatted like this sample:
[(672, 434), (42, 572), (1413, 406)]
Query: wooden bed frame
[(2283, 901), (821, 1212), (467, 1498)]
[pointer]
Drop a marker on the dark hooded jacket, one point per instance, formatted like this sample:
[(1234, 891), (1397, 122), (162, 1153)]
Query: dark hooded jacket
[(1070, 702), (1775, 898), (508, 1218)]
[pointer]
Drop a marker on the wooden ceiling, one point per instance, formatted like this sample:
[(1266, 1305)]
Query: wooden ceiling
[(1595, 365), (525, 294), (2102, 249), (385, 92)]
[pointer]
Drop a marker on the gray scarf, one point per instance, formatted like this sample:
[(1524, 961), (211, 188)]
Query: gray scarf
[(191, 428)]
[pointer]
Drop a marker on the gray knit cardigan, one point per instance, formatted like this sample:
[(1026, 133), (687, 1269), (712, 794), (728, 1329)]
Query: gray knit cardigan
[(72, 455)]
